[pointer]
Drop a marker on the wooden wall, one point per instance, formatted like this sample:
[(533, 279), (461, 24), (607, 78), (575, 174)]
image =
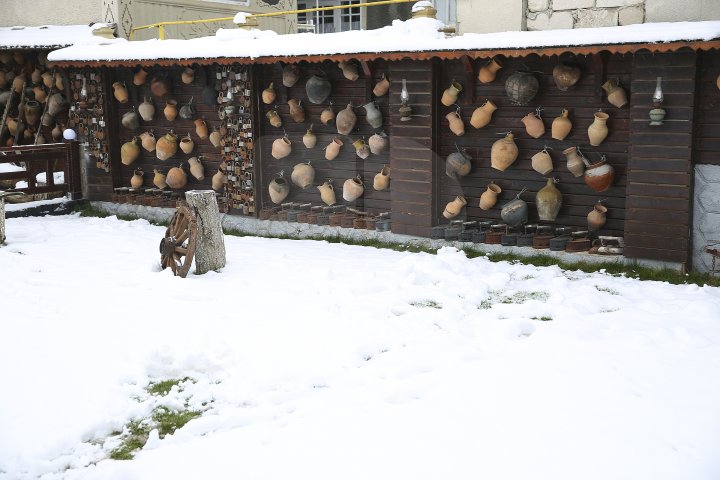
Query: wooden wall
[(707, 112)]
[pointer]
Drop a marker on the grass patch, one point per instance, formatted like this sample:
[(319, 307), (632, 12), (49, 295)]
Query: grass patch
[(163, 387), (427, 304), (495, 296), (544, 318), (607, 290), (167, 421)]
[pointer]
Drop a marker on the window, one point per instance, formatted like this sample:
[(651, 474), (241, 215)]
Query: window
[(329, 21)]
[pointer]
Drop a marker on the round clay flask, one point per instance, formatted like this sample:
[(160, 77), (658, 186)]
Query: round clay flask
[(561, 126), (504, 152)]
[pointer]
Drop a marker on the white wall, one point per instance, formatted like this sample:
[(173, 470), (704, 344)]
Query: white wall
[(481, 16), (50, 12)]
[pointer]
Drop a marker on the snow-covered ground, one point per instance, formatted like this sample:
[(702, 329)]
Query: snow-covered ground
[(329, 361)]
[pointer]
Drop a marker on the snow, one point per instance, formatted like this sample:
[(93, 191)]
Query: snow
[(16, 207), (41, 178), (325, 361), (241, 17), (48, 36), (420, 34)]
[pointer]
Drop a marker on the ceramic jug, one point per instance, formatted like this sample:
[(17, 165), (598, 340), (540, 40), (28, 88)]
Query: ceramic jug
[(281, 147), (297, 112), (120, 92), (488, 72), (450, 95), (561, 126), (176, 177), (290, 75), (346, 120), (599, 176), (353, 189), (218, 180), (565, 76), (196, 168), (378, 143), (598, 130), (382, 179), (201, 129), (187, 111), (278, 189), (269, 95), (515, 212), (615, 93), (309, 139), (327, 193), (333, 150), (373, 115), (129, 152), (130, 120), (597, 217), (303, 175), (483, 114), (159, 179), (453, 208), (457, 164), (534, 125), (318, 89), (488, 199), (187, 76), (187, 144), (575, 163), (349, 70), (548, 201), (274, 118), (456, 124), (327, 117), (148, 141), (542, 162), (140, 77), (361, 149), (136, 180), (147, 110), (170, 110), (166, 146), (381, 87), (215, 138), (504, 152)]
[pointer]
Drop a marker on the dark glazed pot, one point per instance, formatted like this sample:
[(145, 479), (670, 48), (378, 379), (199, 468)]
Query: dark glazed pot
[(317, 89)]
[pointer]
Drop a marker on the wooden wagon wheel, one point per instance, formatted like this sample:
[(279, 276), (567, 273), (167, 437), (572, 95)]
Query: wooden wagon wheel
[(178, 247)]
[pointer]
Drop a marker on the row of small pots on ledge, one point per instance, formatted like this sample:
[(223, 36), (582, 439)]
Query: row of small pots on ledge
[(333, 216)]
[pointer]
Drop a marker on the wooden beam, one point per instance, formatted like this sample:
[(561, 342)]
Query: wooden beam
[(468, 97)]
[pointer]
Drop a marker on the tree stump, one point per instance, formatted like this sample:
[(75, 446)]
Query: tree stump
[(2, 212), (210, 249)]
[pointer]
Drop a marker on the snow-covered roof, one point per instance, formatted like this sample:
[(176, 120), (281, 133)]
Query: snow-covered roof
[(415, 35), (46, 36)]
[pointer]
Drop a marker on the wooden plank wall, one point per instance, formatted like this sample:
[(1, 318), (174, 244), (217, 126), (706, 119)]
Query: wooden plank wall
[(582, 100), (707, 117), (660, 172), (100, 183)]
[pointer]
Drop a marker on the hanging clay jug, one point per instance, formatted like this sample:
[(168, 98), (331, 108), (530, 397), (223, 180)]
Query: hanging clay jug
[(515, 212), (533, 125), (33, 110), (450, 95), (59, 82), (278, 189), (456, 124), (575, 163), (353, 189), (521, 87), (598, 130), (565, 76), (18, 83), (488, 72), (36, 76), (458, 163), (140, 77), (488, 199), (4, 96), (597, 218), (170, 111), (187, 111), (12, 126), (327, 117), (542, 162), (373, 115), (318, 89), (717, 82), (561, 126), (290, 75), (269, 95), (196, 168), (378, 143), (504, 152), (297, 112), (47, 79), (361, 149), (274, 118), (159, 179), (147, 110), (57, 132), (218, 180), (187, 144), (131, 120), (136, 180), (39, 93), (346, 120), (129, 152), (187, 76), (148, 141), (201, 129), (483, 114), (327, 193), (215, 138), (548, 201), (120, 92), (453, 208), (160, 86), (615, 93), (57, 104), (382, 179), (303, 175), (176, 177), (599, 176), (381, 87), (333, 150), (309, 139), (281, 147), (166, 146), (350, 70)]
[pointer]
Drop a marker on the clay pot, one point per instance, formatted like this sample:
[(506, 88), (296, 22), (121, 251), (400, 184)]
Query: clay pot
[(504, 152), (599, 176), (548, 201), (147, 110), (297, 112), (488, 199), (483, 114), (215, 138), (281, 147), (187, 111), (278, 189), (166, 146), (534, 125), (515, 212), (201, 129), (148, 141), (57, 133), (309, 139), (521, 87), (129, 152), (303, 175), (36, 76), (170, 111), (317, 89), (450, 95), (361, 149), (350, 70), (187, 76), (274, 118), (615, 93), (187, 144), (40, 94), (575, 163), (327, 193), (33, 110), (346, 120), (456, 124), (12, 125), (381, 87), (59, 82), (453, 208), (196, 168), (542, 162), (218, 180), (136, 180), (57, 105), (458, 164), (18, 83), (120, 92), (159, 179), (290, 75), (561, 126), (353, 189), (160, 86), (373, 115), (269, 95), (597, 218), (131, 120), (47, 79), (327, 116), (566, 76), (717, 82), (598, 130), (140, 77), (488, 72), (333, 150), (378, 143), (176, 178), (382, 179)]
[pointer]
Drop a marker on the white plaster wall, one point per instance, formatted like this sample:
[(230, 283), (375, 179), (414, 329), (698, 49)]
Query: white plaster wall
[(681, 10), (706, 215), (482, 16), (50, 12)]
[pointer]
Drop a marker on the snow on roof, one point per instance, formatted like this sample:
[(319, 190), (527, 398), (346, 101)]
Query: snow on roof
[(415, 35), (46, 36)]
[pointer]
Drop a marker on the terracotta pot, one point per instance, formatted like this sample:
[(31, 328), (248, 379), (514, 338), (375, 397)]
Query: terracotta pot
[(548, 201), (450, 95), (599, 176), (717, 82), (327, 117), (166, 146), (33, 110), (120, 92), (40, 94), (187, 111), (187, 76), (456, 124), (129, 152), (269, 95), (147, 110), (201, 129), (148, 141), (309, 139), (488, 199), (542, 162), (187, 145), (504, 152), (12, 125), (615, 93), (333, 150), (597, 218), (196, 168), (373, 115), (382, 179), (483, 114), (598, 130), (346, 120), (534, 125), (327, 193), (290, 75), (566, 76), (521, 87), (575, 163), (281, 147), (36, 76), (350, 70), (515, 212), (160, 86), (47, 120), (170, 111), (140, 77), (131, 120), (303, 175), (318, 89), (18, 83), (297, 112), (381, 87), (159, 179), (18, 57), (274, 118), (136, 181), (361, 149), (278, 189), (561, 126), (57, 133), (215, 138), (453, 208), (488, 72), (457, 164), (218, 180), (353, 189), (57, 105), (59, 82), (378, 143), (47, 79), (176, 178)]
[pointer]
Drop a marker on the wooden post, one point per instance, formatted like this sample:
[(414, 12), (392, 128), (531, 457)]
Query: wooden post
[(210, 245), (2, 212)]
